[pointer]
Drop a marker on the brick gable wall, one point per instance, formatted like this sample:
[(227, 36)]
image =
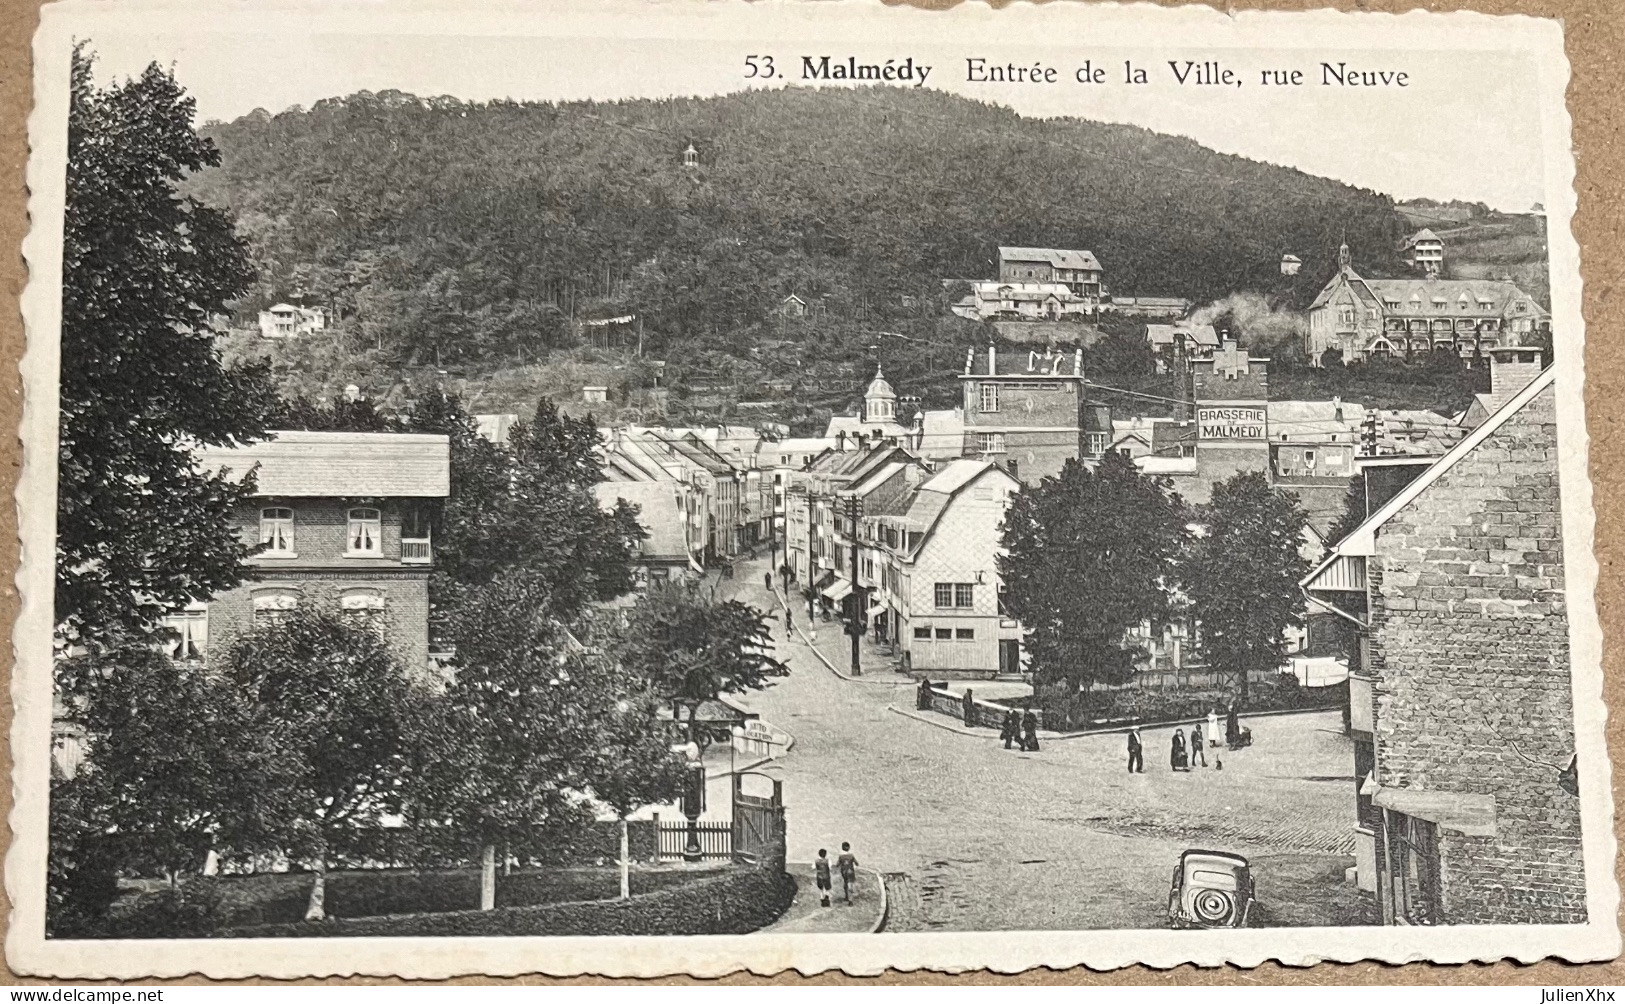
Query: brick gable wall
[(1470, 651)]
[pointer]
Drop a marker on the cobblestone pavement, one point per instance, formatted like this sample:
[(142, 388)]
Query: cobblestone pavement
[(975, 837)]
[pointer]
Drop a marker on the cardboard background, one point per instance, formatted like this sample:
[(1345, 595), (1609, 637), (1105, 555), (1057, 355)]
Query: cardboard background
[(1595, 40)]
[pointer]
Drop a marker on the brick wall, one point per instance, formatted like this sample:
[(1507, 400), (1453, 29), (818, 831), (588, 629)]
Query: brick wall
[(406, 607), (1470, 651)]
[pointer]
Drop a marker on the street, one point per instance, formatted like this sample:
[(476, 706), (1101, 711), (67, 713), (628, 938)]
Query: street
[(976, 837)]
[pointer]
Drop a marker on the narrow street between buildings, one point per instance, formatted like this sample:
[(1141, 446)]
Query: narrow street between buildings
[(972, 836)]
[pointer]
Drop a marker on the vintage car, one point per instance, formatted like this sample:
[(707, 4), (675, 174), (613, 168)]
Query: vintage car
[(1210, 889)]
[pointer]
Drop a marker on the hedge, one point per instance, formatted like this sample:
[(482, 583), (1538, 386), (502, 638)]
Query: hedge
[(739, 900), (281, 898), (1150, 707)]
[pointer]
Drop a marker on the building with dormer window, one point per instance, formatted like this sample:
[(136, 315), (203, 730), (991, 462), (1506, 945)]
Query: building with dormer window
[(1363, 317)]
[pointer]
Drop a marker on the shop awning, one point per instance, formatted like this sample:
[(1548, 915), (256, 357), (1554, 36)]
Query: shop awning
[(837, 591), (1457, 811)]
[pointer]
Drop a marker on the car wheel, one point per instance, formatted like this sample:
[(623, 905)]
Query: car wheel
[(1212, 906)]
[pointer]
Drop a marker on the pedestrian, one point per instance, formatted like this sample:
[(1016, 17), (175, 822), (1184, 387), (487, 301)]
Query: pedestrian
[(789, 621), (847, 865), (821, 873), (1197, 753), (1011, 731), (1029, 732), (1136, 752), (767, 581), (1212, 732), (1232, 728), (1176, 752)]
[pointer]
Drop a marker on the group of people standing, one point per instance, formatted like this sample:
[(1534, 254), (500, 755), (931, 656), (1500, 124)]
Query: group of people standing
[(1183, 754), (1020, 728)]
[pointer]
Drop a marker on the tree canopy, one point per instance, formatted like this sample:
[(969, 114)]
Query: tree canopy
[(1089, 555), (452, 233), (692, 646), (140, 527), (1243, 572)]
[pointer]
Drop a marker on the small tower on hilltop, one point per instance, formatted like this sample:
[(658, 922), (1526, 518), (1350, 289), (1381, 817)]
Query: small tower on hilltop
[(691, 158)]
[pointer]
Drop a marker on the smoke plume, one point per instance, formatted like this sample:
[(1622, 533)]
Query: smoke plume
[(1254, 323)]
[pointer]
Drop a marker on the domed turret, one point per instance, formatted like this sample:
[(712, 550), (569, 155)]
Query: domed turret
[(879, 401)]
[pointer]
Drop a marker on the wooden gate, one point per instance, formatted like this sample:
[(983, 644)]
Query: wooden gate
[(758, 821)]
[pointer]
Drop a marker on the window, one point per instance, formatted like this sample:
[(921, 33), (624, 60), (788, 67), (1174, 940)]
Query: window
[(191, 633), (990, 397), (1413, 868), (964, 594), (944, 595), (991, 442), (276, 532), (365, 529), (1308, 458), (362, 606), (945, 634), (274, 604), (922, 633), (965, 634), (1095, 445)]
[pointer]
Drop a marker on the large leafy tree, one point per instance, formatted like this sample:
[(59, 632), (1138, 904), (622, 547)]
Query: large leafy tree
[(1089, 555), (633, 763), (178, 763), (140, 527), (560, 532), (527, 508), (521, 738), (325, 687), (1242, 575), (693, 647)]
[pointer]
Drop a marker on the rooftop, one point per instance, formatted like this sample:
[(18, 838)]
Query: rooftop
[(341, 464), (1057, 257)]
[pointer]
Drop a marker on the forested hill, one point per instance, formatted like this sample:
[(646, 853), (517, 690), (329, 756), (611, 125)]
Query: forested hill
[(471, 231)]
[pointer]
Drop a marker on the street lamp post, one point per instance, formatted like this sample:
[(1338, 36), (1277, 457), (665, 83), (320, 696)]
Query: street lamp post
[(693, 802)]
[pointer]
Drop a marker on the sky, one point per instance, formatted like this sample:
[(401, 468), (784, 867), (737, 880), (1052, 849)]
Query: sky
[(1466, 126)]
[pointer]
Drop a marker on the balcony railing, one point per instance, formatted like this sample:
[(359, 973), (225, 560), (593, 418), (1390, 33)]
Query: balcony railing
[(415, 551)]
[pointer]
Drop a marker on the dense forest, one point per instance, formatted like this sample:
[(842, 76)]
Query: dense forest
[(478, 236)]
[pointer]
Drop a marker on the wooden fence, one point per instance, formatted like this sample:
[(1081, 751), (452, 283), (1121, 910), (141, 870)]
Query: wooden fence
[(716, 840)]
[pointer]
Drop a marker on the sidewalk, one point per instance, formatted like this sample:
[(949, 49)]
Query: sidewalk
[(831, 645), (865, 914)]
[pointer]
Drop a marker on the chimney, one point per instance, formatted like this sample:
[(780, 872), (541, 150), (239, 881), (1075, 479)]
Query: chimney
[(1512, 367), (1337, 408), (840, 440), (990, 359)]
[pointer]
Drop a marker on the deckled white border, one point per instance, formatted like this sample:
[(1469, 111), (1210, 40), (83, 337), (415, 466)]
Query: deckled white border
[(790, 21)]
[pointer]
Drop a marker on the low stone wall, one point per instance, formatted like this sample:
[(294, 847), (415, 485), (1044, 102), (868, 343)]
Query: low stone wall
[(983, 714)]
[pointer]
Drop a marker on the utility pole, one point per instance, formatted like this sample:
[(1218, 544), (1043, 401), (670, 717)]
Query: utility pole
[(854, 626)]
